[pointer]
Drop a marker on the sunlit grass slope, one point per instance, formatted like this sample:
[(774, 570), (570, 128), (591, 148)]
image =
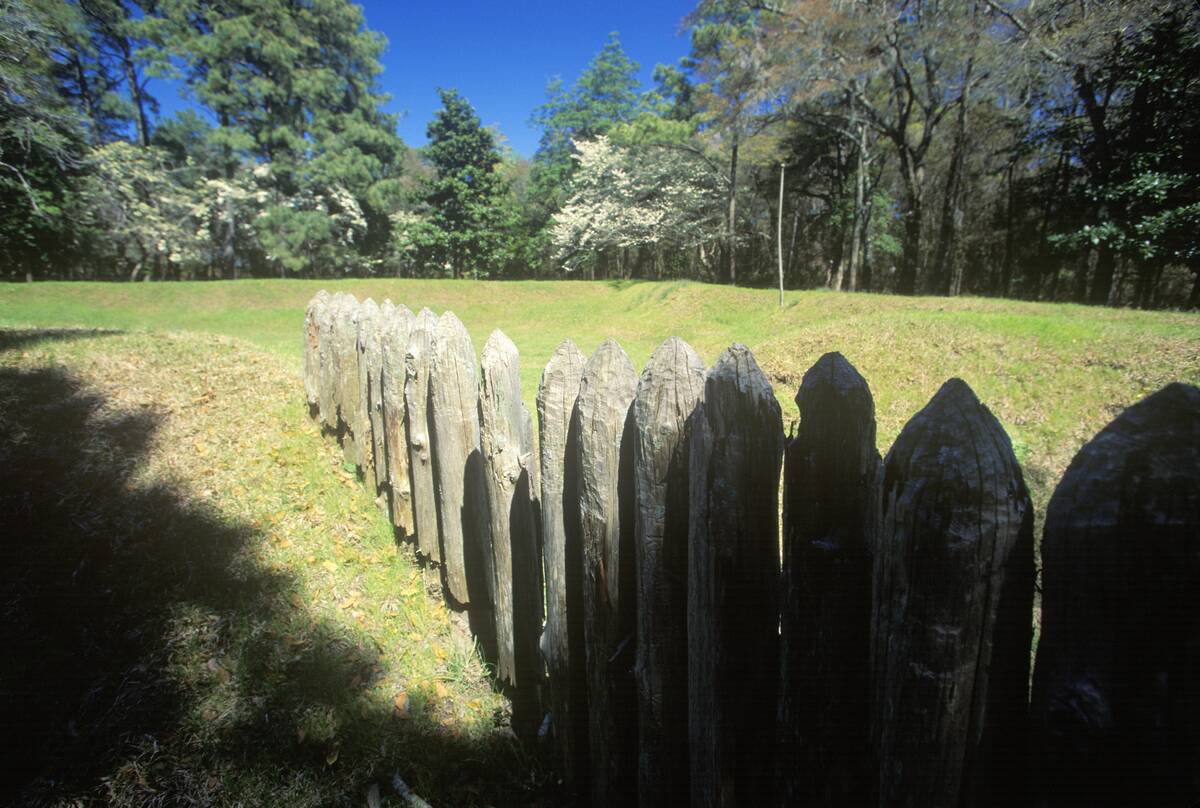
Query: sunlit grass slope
[(1053, 374), (202, 607)]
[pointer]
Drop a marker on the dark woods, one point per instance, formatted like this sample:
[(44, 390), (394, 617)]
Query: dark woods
[(987, 147)]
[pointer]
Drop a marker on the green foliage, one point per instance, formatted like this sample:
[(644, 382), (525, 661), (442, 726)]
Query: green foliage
[(604, 95), (465, 229), (293, 86)]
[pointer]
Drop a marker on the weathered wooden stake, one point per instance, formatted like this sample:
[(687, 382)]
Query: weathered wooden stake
[(418, 366), (345, 346), (395, 331), (670, 388), (506, 440), (562, 639), (369, 361), (952, 608), (604, 434), (830, 517), (506, 456), (733, 579), (313, 316), (1116, 688), (327, 361), (454, 400)]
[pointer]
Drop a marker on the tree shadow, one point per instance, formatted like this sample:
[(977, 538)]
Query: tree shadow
[(15, 338), (150, 657)]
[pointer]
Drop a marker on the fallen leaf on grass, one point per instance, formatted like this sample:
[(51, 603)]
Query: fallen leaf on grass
[(401, 703), (331, 566), (440, 690)]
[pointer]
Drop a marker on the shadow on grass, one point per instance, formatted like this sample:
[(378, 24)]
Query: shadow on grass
[(15, 338), (149, 657)]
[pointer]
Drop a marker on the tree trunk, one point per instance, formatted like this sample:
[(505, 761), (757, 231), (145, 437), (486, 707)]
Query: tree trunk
[(1102, 278), (858, 228), (135, 95), (910, 256), (731, 225), (779, 231)]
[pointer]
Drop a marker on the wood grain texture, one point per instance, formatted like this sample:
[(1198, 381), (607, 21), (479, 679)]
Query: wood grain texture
[(1116, 689), (395, 330), (951, 615), (313, 314), (831, 476), (562, 642), (367, 416), (418, 367), (454, 404), (345, 346), (735, 453), (507, 455), (670, 388), (604, 435), (327, 360)]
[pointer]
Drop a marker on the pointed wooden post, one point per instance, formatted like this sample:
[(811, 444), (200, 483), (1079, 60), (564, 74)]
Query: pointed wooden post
[(952, 613), (507, 454), (733, 579), (345, 346), (327, 360), (670, 388), (562, 639), (454, 397), (604, 434), (369, 362), (396, 328), (418, 366), (830, 517), (1116, 689), (313, 315)]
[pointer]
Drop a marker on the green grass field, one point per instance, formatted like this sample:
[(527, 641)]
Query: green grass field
[(1053, 374), (203, 607)]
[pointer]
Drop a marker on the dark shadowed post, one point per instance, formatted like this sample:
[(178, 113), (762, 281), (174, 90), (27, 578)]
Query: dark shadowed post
[(327, 371), (395, 329), (733, 579), (1116, 689), (952, 610), (312, 349), (345, 346), (830, 514), (564, 626), (604, 435), (369, 363), (506, 437), (418, 366), (454, 402), (670, 388)]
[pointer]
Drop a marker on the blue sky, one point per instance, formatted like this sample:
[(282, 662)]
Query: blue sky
[(500, 55)]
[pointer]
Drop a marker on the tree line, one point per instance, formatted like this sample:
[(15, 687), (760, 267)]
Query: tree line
[(997, 147)]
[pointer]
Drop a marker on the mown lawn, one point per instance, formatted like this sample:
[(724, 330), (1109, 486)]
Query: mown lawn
[(1053, 374), (201, 606)]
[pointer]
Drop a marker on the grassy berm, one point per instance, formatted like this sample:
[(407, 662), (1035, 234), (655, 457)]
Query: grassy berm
[(200, 606)]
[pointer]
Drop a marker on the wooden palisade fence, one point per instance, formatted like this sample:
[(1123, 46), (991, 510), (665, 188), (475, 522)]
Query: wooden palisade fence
[(877, 652)]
